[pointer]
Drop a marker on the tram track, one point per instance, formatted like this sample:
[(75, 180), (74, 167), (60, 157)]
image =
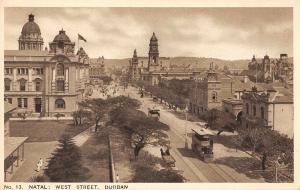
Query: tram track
[(219, 173), (213, 172)]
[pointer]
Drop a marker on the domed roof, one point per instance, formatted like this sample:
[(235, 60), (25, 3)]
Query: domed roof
[(31, 27), (153, 38), (62, 37)]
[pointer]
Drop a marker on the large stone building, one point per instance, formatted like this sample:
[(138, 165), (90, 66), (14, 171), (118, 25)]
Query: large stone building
[(96, 69), (45, 82), (154, 68), (210, 89), (273, 109), (217, 90), (270, 70)]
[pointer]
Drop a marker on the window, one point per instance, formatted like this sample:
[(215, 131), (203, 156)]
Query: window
[(59, 103), (60, 69), (262, 112), (25, 102), (254, 110), (60, 85), (22, 85), (8, 71), (38, 71), (9, 100), (19, 102), (22, 71), (38, 85), (247, 108), (214, 97), (22, 102), (7, 83)]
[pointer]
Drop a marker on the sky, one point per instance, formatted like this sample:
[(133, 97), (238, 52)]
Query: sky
[(225, 33)]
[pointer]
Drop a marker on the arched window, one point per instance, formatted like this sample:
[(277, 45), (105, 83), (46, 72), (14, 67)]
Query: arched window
[(60, 85), (38, 85), (154, 60), (262, 112), (60, 103), (60, 69), (254, 110), (247, 108), (214, 97), (22, 85), (7, 84)]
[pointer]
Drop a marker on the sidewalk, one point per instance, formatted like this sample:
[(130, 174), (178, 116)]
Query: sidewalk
[(121, 155), (36, 150)]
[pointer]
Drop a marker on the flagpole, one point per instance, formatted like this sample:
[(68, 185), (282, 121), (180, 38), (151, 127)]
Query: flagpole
[(78, 42)]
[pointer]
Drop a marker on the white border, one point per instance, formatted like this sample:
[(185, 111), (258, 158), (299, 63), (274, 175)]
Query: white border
[(175, 3)]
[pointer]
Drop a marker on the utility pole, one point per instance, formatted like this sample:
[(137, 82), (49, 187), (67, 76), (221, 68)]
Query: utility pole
[(185, 128)]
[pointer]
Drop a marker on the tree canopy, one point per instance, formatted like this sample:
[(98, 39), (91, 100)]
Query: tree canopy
[(65, 163), (140, 129)]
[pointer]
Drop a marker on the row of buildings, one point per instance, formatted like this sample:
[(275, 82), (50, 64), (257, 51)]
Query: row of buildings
[(41, 81), (259, 96), (253, 104)]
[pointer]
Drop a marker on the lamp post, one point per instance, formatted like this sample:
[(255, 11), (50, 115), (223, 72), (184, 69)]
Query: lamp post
[(185, 128)]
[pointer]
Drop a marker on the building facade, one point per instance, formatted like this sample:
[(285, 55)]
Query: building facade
[(154, 68), (96, 70), (273, 109), (44, 83), (271, 70)]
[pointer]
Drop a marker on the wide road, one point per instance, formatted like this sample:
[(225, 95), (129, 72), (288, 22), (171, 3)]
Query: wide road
[(194, 169)]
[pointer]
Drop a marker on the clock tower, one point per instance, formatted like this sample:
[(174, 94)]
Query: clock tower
[(153, 59)]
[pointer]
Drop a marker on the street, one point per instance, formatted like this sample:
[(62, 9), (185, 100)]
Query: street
[(194, 169)]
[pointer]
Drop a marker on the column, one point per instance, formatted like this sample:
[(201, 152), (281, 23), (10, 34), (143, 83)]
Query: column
[(30, 79), (53, 74), (53, 80), (67, 75), (14, 83), (67, 80)]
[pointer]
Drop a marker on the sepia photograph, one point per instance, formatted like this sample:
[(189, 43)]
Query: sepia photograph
[(148, 95)]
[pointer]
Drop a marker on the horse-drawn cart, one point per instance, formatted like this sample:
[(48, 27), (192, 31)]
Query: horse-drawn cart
[(154, 113), (167, 158)]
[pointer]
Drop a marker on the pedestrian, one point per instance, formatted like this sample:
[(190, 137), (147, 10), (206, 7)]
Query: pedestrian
[(117, 178), (162, 152), (39, 165), (96, 128), (263, 161), (167, 152), (211, 142)]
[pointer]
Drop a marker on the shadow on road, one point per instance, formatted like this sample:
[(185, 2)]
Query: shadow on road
[(187, 153), (246, 165)]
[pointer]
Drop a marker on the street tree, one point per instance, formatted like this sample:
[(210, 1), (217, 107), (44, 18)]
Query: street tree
[(97, 107), (80, 115), (141, 130), (65, 163)]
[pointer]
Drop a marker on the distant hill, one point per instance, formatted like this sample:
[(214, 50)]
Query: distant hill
[(202, 62), (116, 63), (192, 62)]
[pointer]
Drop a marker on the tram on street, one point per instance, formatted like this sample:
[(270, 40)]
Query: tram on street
[(202, 144)]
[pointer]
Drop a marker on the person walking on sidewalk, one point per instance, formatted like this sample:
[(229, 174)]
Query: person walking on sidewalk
[(39, 165), (117, 178)]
